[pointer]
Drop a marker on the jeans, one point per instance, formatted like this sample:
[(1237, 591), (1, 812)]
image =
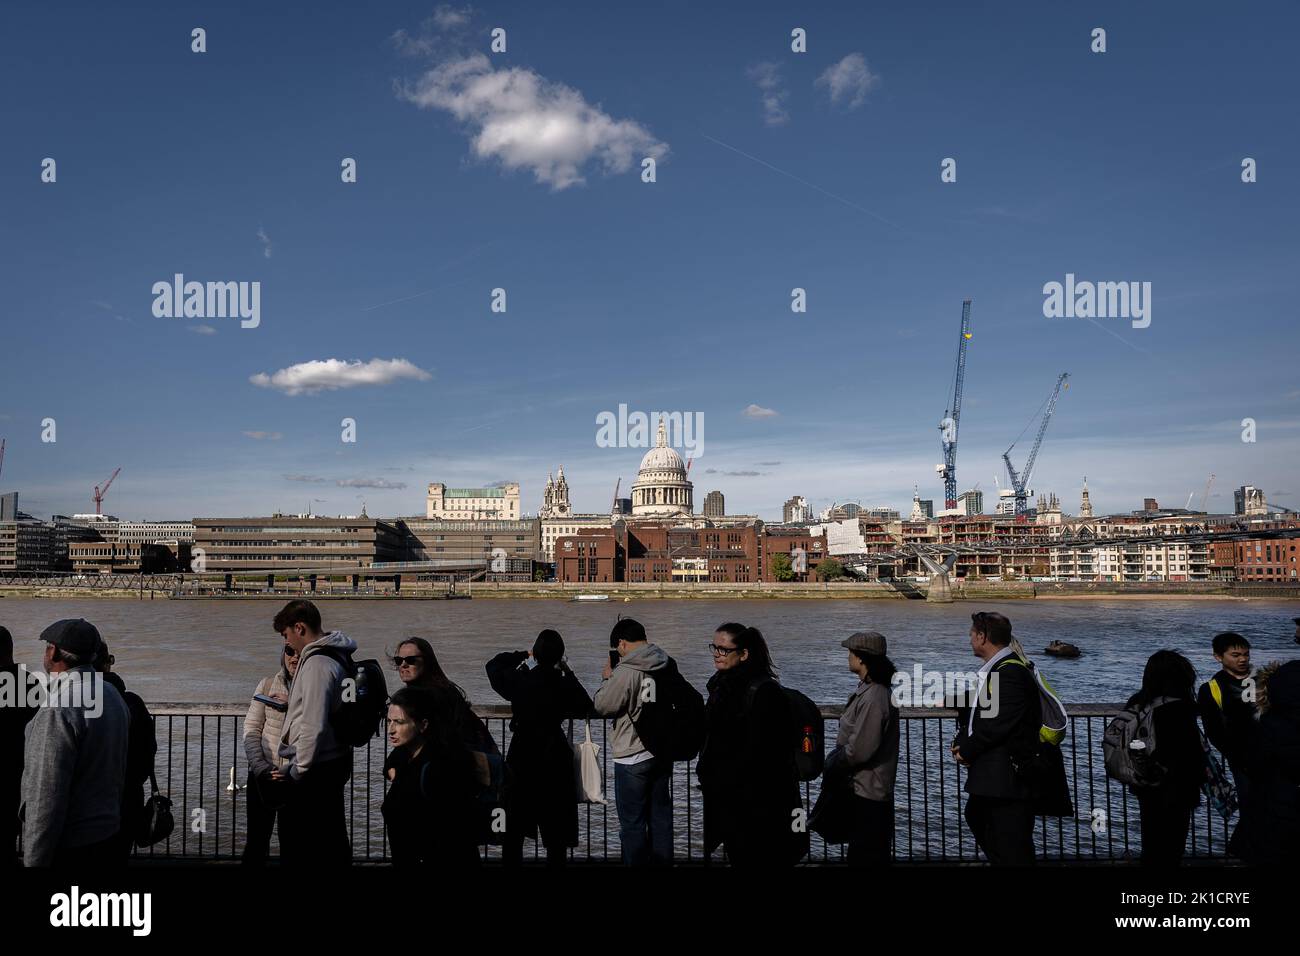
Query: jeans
[(644, 799)]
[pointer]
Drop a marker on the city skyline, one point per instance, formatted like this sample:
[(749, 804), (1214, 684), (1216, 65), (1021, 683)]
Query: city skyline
[(818, 171)]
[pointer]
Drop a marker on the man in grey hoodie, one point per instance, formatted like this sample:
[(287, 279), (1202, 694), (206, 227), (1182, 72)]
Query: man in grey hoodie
[(642, 791), (75, 763), (318, 764)]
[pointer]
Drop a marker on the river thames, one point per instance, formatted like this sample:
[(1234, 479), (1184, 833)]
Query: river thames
[(216, 651)]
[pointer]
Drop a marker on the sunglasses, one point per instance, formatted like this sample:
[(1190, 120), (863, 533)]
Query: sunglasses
[(289, 651), (720, 651), (410, 661)]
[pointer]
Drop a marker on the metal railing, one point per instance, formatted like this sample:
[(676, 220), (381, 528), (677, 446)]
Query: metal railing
[(201, 754)]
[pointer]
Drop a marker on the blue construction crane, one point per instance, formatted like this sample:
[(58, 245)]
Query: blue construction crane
[(1020, 484), (952, 417)]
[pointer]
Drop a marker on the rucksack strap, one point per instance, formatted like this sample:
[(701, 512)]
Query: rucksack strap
[(1216, 692)]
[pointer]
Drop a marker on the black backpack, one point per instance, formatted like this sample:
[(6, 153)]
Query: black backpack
[(365, 698), (808, 727), (671, 722)]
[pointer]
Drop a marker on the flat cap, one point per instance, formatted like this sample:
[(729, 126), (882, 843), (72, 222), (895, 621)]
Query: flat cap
[(865, 642), (74, 635)]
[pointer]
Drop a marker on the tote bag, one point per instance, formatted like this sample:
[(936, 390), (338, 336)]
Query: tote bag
[(586, 768)]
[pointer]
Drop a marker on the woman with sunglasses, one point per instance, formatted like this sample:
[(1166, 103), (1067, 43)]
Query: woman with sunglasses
[(262, 729), (746, 768), (430, 808), (418, 668)]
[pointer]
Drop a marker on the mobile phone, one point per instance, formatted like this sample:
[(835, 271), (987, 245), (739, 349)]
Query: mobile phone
[(613, 658), (271, 702)]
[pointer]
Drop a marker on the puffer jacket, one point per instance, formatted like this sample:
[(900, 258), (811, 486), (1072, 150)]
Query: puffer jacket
[(264, 725)]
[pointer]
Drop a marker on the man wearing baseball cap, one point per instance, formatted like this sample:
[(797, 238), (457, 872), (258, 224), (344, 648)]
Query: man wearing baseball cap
[(76, 757)]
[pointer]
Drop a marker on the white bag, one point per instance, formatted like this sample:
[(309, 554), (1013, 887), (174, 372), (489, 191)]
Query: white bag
[(586, 768)]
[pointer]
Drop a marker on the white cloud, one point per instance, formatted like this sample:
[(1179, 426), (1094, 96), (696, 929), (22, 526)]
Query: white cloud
[(849, 81), (264, 436), (767, 76), (308, 378), (758, 411), (265, 240), (307, 479), (202, 329), (447, 17), (525, 121)]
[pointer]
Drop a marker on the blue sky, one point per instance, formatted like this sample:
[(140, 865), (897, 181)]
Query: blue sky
[(521, 170)]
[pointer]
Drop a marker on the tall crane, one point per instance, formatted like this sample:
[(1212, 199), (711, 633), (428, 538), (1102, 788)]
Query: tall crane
[(952, 417), (1205, 498), (613, 509), (2, 456), (100, 492), (1018, 483)]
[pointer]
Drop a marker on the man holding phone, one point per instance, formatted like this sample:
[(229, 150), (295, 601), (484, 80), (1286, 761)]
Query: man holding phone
[(642, 792)]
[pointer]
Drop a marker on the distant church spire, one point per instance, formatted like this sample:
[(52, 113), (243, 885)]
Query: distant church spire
[(661, 441), (1085, 506)]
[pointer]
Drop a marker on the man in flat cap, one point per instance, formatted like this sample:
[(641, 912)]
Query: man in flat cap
[(75, 758)]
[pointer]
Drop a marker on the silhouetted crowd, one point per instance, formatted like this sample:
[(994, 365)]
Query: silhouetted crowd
[(73, 776)]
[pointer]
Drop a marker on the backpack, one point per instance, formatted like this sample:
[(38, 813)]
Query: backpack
[(1136, 766), (1056, 722), (809, 729), (671, 721), (365, 700)]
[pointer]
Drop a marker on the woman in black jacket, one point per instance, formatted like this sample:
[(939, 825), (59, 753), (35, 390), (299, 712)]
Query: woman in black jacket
[(430, 809), (543, 693), (746, 768), (1167, 807), (1274, 761)]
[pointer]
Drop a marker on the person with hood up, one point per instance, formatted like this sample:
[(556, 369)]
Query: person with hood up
[(642, 782), (746, 767), (318, 764), (543, 693), (1273, 759), (141, 747), (263, 728)]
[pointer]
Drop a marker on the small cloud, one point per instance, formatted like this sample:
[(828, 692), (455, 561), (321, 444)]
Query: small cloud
[(849, 81), (447, 17), (108, 307), (308, 378), (265, 240), (733, 474), (370, 483), (202, 329), (758, 411), (525, 121), (307, 479), (264, 436), (1292, 395), (768, 464), (767, 77)]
